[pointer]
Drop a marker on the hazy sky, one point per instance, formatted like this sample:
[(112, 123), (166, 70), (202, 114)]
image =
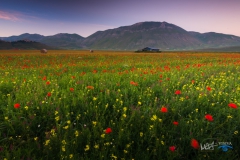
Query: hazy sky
[(84, 17)]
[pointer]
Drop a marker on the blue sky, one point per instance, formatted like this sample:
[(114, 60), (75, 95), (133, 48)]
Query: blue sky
[(84, 17)]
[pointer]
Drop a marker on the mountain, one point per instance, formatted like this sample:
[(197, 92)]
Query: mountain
[(216, 40), (23, 44), (64, 41), (25, 36), (153, 34), (162, 35)]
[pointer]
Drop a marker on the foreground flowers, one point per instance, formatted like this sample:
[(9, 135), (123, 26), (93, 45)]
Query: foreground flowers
[(172, 148), (49, 94), (90, 87), (232, 105), (133, 83), (194, 143), (164, 110), (108, 130), (175, 123), (177, 92), (209, 117), (17, 105)]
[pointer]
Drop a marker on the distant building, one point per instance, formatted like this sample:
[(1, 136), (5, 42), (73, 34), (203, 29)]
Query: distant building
[(150, 49)]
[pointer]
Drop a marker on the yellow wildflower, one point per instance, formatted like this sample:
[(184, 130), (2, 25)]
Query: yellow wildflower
[(63, 148), (71, 156), (76, 133), (154, 118), (103, 135), (94, 123), (57, 118), (47, 142), (96, 146), (113, 156), (87, 148), (162, 142), (64, 142), (229, 117), (66, 127)]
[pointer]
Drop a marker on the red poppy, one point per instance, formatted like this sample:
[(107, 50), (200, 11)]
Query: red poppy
[(172, 148), (44, 78), (193, 81), (71, 89), (232, 105), (17, 105), (47, 83), (90, 87), (209, 117), (164, 110), (133, 83), (208, 88), (178, 92), (194, 144), (49, 94), (108, 130), (175, 123)]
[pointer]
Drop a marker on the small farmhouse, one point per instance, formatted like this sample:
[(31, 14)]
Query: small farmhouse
[(150, 49)]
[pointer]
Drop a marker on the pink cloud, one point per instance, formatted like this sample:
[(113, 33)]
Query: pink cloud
[(9, 16)]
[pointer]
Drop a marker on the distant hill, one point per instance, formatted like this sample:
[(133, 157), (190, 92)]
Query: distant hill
[(212, 39), (64, 41), (61, 40), (162, 35), (222, 49), (25, 36), (23, 44)]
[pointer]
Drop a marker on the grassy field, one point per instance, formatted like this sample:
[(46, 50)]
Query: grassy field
[(119, 105)]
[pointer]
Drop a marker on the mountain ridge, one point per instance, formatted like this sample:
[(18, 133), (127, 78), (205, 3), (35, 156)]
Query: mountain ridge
[(162, 35)]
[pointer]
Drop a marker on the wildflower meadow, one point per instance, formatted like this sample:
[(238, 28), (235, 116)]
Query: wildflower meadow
[(119, 105)]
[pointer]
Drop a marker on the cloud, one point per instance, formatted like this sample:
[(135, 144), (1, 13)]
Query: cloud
[(9, 16), (16, 16)]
